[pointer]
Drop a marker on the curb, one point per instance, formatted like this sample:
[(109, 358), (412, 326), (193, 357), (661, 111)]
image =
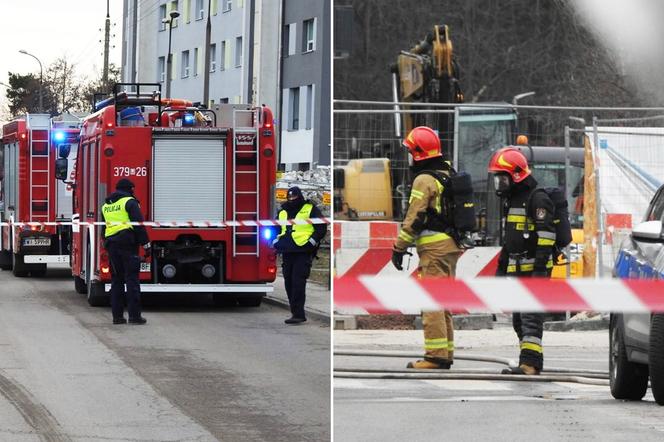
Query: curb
[(472, 321), (583, 325), (311, 314)]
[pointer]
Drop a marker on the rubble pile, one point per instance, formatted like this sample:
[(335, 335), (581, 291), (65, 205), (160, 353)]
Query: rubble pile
[(314, 184)]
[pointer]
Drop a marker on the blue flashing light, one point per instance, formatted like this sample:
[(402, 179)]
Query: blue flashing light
[(59, 136), (267, 234), (188, 119)]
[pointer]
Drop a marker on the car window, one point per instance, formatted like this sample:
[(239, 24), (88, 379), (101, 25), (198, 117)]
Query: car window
[(656, 209)]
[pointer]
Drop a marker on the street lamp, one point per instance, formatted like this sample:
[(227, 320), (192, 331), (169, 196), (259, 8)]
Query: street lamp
[(41, 78), (169, 59)]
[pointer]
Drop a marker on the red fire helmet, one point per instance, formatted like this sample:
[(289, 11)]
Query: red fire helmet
[(423, 143), (510, 160)]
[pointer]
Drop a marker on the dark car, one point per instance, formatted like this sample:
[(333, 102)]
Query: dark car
[(637, 340)]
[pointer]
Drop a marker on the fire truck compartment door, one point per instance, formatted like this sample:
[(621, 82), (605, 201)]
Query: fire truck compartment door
[(64, 191), (188, 178)]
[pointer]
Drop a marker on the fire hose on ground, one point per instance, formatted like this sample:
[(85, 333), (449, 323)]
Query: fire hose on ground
[(549, 374)]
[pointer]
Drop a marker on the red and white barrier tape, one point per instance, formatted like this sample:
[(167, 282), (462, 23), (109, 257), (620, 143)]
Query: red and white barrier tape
[(371, 294), (237, 223)]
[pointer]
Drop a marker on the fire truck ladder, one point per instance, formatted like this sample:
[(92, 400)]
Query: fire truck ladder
[(241, 150), (39, 167)]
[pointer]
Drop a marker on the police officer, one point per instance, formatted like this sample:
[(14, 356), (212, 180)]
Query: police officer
[(298, 245), (529, 241), (122, 242), (437, 250)]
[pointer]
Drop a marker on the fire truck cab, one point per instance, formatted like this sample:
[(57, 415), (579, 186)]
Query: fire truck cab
[(192, 168), (30, 193)]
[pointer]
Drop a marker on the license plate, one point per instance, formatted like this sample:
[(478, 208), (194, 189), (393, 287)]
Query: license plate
[(37, 241), (145, 267)]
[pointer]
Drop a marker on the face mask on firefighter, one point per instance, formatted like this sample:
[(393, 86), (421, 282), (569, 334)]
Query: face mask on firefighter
[(502, 183)]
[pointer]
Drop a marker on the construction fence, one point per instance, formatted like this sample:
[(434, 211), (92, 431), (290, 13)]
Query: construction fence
[(609, 162)]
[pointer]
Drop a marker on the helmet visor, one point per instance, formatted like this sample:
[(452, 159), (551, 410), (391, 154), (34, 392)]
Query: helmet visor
[(501, 182)]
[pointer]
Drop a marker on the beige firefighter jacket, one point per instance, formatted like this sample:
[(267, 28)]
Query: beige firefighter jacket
[(424, 194)]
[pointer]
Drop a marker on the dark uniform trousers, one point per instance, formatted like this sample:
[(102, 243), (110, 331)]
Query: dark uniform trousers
[(296, 269), (529, 239), (529, 329), (125, 268)]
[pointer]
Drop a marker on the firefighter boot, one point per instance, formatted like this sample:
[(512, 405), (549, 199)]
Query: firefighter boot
[(430, 365), (524, 369)]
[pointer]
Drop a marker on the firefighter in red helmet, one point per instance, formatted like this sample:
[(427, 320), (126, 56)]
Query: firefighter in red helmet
[(437, 250), (530, 237)]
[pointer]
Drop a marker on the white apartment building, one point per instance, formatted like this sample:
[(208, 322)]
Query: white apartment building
[(244, 45), (273, 52)]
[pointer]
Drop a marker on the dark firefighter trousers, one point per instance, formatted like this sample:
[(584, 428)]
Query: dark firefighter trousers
[(296, 268), (529, 328), (125, 268)]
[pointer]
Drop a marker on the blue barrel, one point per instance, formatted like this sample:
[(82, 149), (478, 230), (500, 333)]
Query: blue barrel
[(131, 116)]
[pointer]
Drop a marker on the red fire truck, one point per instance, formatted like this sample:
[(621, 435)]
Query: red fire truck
[(191, 167), (30, 192)]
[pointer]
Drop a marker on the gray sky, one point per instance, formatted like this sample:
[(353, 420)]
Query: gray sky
[(54, 28)]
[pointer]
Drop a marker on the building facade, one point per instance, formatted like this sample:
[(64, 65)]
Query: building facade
[(246, 64), (305, 84)]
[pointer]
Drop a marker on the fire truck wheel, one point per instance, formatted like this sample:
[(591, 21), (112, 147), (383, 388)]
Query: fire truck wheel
[(224, 300), (80, 286), (250, 301), (6, 260), (18, 266), (96, 295)]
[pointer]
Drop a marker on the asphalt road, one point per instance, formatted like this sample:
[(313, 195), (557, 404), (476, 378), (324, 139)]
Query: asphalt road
[(193, 373), (476, 410)]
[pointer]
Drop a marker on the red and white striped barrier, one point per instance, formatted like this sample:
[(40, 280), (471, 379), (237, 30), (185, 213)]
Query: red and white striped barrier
[(238, 223), (371, 294), (365, 248)]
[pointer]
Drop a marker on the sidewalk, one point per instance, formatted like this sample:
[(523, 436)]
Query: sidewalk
[(317, 305)]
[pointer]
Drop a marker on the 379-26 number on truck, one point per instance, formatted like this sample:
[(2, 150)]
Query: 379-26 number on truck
[(130, 171)]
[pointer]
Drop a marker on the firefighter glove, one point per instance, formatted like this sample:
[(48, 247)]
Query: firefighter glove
[(397, 258), (147, 248)]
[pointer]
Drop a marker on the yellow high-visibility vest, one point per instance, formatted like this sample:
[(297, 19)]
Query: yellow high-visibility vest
[(116, 213), (301, 232)]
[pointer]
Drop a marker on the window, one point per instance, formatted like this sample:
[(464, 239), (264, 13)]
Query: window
[(289, 39), (222, 59), (174, 7), (200, 10), (238, 52), (294, 108), (213, 57), (310, 107), (161, 69), (213, 6), (226, 5), (185, 64), (195, 62), (187, 8), (309, 35), (162, 17), (223, 100)]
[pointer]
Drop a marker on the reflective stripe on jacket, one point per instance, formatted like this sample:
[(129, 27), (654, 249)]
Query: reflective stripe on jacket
[(300, 232), (116, 212)]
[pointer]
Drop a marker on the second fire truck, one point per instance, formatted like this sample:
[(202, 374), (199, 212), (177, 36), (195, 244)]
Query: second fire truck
[(192, 168), (30, 193)]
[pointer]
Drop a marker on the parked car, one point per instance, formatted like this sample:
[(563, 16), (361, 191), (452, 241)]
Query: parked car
[(636, 341)]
